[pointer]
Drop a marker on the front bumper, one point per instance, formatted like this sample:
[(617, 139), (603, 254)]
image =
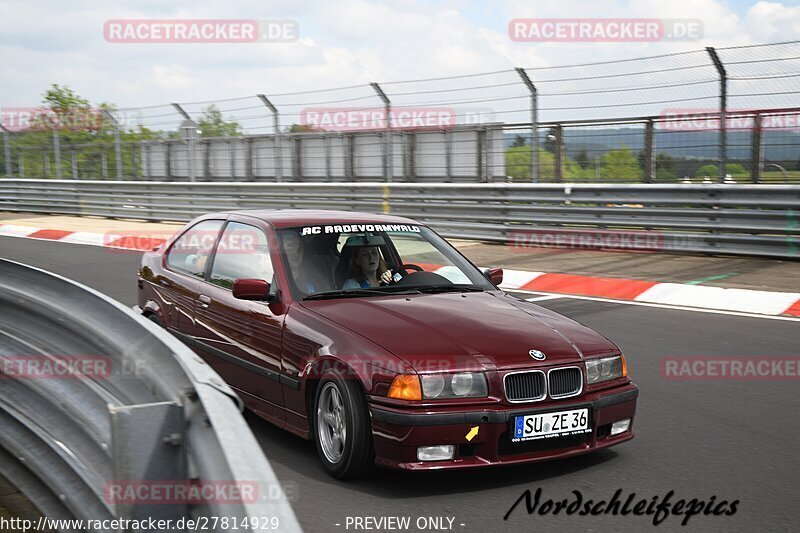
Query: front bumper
[(397, 433)]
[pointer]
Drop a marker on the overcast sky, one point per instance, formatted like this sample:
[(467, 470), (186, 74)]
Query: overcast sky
[(342, 42)]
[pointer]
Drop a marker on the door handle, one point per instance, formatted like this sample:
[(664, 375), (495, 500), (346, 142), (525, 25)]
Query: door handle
[(204, 300)]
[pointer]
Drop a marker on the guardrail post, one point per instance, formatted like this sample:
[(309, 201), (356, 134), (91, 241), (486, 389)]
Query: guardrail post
[(7, 150), (756, 155), (649, 152), (723, 111), (276, 129), (534, 124), (387, 139)]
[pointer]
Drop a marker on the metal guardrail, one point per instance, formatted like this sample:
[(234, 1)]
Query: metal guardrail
[(757, 220), (159, 413)]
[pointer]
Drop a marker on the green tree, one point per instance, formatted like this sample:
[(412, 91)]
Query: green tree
[(710, 171), (665, 167), (620, 165), (213, 124), (550, 144), (518, 166), (583, 159), (519, 140), (85, 136)]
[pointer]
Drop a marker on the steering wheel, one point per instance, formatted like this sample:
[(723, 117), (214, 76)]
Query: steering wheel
[(402, 269)]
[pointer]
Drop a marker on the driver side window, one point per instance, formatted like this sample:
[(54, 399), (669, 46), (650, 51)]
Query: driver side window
[(242, 253), (191, 251)]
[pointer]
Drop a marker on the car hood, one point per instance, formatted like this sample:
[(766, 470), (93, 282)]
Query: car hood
[(457, 331)]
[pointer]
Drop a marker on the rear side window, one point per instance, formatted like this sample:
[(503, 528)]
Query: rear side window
[(191, 251), (243, 253)]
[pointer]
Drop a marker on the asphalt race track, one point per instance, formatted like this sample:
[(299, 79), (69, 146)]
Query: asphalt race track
[(736, 440)]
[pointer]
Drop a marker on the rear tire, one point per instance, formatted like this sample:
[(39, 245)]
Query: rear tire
[(342, 427)]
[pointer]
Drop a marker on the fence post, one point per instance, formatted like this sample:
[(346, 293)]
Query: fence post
[(649, 152), (135, 163), (723, 111), (349, 157), (387, 139), (21, 163), (74, 160), (168, 160), (297, 158), (756, 157), (147, 163), (103, 163), (534, 124), (189, 136), (117, 143), (7, 150), (558, 173), (207, 159), (448, 156), (57, 151), (248, 159), (277, 133)]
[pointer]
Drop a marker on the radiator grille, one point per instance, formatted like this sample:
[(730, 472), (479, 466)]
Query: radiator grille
[(525, 386), (564, 382)]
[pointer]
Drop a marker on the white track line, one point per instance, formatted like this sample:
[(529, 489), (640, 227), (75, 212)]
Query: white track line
[(663, 306), (543, 298)]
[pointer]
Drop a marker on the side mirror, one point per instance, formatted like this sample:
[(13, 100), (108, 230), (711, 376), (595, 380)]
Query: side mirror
[(495, 275), (252, 289)]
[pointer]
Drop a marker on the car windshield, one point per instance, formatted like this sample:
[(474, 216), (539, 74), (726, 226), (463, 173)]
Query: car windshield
[(363, 260)]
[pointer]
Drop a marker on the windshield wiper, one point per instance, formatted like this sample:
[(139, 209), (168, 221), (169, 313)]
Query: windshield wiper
[(434, 289), (349, 293)]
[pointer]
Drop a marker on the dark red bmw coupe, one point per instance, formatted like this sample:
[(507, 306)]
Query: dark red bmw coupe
[(377, 339)]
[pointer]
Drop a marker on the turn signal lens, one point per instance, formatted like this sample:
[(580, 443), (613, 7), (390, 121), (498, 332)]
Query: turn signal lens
[(624, 366), (406, 387)]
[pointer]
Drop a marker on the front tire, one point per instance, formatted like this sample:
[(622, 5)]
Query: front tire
[(342, 427)]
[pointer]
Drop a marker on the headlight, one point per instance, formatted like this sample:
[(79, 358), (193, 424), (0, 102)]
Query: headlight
[(605, 369), (461, 385)]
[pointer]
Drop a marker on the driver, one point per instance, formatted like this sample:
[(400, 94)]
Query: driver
[(367, 269)]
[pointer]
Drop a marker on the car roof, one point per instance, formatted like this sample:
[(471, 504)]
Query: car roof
[(285, 218)]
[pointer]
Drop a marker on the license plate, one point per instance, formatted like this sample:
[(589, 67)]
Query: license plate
[(548, 425)]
